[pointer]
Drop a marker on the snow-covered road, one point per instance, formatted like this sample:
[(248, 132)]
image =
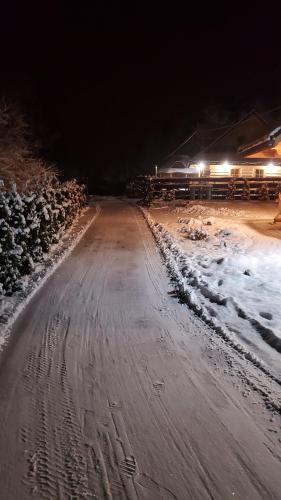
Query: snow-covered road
[(112, 389)]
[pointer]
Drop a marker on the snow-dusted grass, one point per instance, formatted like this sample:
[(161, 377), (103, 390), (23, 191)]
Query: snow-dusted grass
[(226, 262), (11, 307)]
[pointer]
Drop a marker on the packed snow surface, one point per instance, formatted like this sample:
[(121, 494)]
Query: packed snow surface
[(110, 388)]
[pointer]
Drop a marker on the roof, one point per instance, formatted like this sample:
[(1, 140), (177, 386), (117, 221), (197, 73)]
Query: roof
[(190, 169), (265, 141)]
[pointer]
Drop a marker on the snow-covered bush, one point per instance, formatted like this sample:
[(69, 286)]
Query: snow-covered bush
[(30, 223), (197, 233), (193, 233), (194, 230), (10, 251)]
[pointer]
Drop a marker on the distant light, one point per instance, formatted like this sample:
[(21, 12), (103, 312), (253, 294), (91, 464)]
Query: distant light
[(223, 168), (200, 166), (271, 168)]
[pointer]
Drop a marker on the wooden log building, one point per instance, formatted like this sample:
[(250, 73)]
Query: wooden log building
[(241, 161)]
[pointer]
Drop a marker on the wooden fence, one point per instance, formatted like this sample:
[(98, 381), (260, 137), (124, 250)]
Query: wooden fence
[(207, 188)]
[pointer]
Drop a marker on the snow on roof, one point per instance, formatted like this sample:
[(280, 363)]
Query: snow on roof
[(191, 169), (275, 132)]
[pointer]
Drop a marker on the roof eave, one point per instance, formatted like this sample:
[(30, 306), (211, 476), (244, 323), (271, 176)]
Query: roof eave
[(266, 141)]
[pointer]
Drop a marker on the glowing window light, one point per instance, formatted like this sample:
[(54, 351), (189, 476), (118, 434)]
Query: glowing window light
[(271, 168), (223, 168), (200, 167)]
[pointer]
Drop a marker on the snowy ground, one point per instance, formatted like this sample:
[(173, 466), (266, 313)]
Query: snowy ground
[(233, 274), (11, 307), (110, 388)]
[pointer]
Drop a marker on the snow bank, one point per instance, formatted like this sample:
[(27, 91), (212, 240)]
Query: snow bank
[(227, 281), (202, 210)]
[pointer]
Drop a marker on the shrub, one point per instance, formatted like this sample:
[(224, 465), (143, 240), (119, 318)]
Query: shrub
[(30, 224)]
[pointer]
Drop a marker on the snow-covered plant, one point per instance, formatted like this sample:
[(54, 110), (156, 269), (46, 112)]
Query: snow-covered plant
[(197, 233), (183, 220), (10, 251), (30, 223), (184, 229), (18, 225)]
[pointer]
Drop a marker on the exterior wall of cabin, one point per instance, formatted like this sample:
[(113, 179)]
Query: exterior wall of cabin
[(216, 171), (272, 170), (267, 170)]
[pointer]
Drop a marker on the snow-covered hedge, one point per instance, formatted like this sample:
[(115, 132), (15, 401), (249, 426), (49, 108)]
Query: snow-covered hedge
[(29, 224)]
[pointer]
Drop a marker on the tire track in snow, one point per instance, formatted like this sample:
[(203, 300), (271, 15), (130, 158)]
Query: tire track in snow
[(57, 465)]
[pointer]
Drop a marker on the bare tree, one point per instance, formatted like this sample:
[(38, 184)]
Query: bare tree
[(19, 161)]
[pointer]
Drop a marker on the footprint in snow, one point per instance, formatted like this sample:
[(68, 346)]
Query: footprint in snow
[(266, 315), (159, 385)]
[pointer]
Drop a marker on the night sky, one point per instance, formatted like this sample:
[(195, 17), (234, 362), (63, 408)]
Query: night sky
[(111, 91)]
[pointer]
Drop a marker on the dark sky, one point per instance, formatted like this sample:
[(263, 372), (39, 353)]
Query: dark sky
[(111, 91)]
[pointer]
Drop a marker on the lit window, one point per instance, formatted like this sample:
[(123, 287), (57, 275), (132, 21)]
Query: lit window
[(235, 172), (259, 172)]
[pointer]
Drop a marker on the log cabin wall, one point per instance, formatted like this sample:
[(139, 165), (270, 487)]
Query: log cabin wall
[(245, 170)]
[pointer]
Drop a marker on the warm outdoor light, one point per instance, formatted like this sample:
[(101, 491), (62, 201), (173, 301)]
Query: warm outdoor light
[(200, 167), (271, 169), (223, 168)]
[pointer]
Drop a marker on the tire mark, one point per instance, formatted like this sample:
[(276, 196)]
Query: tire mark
[(148, 482), (57, 462)]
